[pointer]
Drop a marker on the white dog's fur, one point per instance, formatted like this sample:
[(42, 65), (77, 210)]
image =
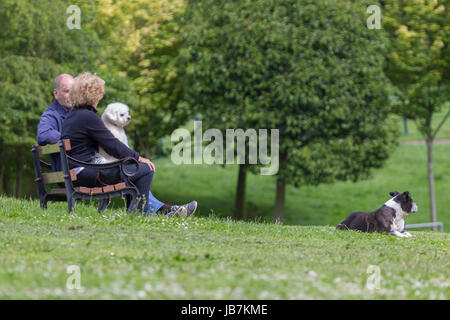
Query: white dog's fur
[(115, 117)]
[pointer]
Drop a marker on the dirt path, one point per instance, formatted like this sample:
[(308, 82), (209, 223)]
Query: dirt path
[(422, 142)]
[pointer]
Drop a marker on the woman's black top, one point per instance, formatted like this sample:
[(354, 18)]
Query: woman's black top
[(87, 132)]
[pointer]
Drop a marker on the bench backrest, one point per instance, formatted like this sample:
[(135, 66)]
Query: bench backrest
[(44, 178), (53, 147)]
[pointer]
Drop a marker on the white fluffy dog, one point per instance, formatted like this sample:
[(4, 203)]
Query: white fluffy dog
[(115, 117)]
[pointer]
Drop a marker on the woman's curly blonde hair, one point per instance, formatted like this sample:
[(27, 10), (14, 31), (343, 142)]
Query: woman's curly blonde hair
[(87, 89)]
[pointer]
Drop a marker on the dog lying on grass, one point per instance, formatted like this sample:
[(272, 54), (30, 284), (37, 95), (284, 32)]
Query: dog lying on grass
[(388, 219)]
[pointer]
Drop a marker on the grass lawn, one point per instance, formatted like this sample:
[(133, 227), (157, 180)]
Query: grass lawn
[(209, 256), (135, 257)]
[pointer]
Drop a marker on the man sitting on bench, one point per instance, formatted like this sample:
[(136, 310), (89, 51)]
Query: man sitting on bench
[(49, 131)]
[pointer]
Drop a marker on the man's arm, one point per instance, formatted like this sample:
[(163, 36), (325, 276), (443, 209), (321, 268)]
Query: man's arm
[(48, 130)]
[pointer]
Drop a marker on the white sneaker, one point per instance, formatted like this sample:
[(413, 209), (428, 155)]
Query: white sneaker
[(177, 211)]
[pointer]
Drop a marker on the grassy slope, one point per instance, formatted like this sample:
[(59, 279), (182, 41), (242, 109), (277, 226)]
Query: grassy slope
[(130, 257), (151, 257), (214, 188)]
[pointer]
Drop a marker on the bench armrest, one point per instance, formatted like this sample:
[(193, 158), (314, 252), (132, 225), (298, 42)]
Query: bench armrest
[(129, 166)]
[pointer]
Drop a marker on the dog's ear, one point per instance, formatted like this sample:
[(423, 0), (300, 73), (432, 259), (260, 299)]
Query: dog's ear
[(406, 194), (111, 116), (117, 114), (393, 193)]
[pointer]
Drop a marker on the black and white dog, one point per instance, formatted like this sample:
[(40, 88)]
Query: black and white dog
[(389, 218)]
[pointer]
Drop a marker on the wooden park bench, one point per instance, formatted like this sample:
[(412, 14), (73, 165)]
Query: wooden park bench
[(128, 168)]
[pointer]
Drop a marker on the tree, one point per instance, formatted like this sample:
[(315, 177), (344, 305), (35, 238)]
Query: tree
[(130, 44), (308, 68), (418, 66), (34, 49), (143, 42), (24, 89)]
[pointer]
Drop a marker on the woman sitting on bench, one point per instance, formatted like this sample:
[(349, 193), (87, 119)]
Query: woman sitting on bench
[(87, 132)]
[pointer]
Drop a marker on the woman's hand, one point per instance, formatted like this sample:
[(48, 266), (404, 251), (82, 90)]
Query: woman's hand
[(147, 162)]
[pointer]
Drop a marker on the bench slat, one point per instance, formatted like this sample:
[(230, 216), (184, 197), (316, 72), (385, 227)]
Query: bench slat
[(100, 190), (48, 149), (53, 147), (67, 145), (58, 176), (83, 190), (61, 191), (96, 190), (108, 188), (120, 186)]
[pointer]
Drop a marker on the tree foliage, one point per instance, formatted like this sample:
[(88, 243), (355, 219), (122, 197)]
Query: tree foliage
[(418, 59), (128, 43), (308, 68), (419, 66), (35, 47), (143, 44)]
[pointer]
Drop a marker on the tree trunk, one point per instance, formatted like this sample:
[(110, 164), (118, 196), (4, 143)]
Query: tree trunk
[(19, 175), (31, 187), (7, 183), (278, 212), (431, 180), (2, 176), (240, 193)]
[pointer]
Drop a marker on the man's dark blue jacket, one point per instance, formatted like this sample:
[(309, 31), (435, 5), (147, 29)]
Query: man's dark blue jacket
[(49, 129)]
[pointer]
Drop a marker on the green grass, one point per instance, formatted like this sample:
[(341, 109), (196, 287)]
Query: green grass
[(211, 257), (134, 257), (214, 188)]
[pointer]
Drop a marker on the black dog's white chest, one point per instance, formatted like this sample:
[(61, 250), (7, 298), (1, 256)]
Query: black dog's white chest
[(389, 218)]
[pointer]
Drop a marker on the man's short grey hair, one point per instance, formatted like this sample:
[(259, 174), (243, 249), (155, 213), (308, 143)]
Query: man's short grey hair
[(60, 78)]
